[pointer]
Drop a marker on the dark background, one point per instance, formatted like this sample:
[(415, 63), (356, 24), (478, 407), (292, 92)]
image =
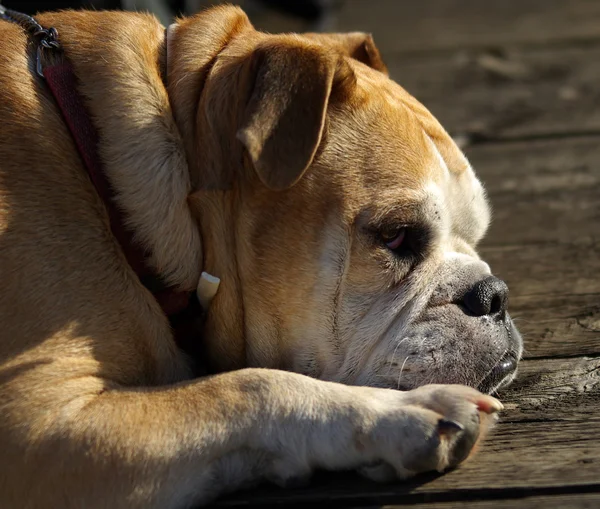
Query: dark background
[(310, 10)]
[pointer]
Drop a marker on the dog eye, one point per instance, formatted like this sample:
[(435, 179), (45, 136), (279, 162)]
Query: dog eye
[(393, 239)]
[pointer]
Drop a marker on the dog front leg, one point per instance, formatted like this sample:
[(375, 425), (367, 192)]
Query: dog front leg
[(181, 445)]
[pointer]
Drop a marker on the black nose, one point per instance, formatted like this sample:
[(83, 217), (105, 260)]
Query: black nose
[(488, 297)]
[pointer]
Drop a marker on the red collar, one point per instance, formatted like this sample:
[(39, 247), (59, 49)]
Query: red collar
[(62, 82)]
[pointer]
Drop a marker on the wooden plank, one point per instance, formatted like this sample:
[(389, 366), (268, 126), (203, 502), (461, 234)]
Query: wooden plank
[(442, 25), (572, 501), (546, 271), (504, 94), (541, 191), (429, 25), (547, 440), (554, 390), (556, 325)]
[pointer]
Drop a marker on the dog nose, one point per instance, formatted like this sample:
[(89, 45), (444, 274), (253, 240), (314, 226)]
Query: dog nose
[(488, 297)]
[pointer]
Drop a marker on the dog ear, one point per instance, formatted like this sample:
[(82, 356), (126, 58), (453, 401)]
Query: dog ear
[(284, 119), (357, 45)]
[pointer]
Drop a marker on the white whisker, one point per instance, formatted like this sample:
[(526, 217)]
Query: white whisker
[(490, 370), (394, 354), (401, 369)]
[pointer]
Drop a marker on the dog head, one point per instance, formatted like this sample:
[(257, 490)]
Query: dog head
[(340, 216)]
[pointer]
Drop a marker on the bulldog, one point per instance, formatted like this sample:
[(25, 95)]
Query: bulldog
[(354, 328)]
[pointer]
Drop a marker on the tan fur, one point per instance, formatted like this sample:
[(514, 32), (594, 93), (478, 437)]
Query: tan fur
[(98, 406)]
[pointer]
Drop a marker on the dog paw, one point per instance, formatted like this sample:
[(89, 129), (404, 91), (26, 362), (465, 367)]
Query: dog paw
[(434, 427), (383, 433)]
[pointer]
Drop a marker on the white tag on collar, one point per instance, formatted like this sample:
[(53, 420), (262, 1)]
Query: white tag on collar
[(207, 289)]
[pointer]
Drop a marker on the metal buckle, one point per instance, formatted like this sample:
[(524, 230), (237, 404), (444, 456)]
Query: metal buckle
[(48, 40), (47, 37)]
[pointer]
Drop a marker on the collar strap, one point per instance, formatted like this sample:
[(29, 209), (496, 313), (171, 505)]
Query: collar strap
[(62, 82)]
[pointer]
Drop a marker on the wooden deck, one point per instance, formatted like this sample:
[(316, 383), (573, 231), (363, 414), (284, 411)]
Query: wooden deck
[(518, 83)]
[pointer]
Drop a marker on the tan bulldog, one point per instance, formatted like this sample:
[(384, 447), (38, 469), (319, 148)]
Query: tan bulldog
[(342, 223)]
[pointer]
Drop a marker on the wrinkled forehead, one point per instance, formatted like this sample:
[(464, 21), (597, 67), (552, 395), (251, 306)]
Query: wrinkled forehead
[(410, 119), (407, 160)]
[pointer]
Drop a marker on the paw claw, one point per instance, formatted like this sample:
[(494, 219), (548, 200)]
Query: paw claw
[(489, 405), (449, 427)]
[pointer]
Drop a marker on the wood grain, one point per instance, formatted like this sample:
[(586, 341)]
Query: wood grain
[(554, 390), (547, 270), (555, 325), (503, 94), (543, 191), (521, 500), (435, 25)]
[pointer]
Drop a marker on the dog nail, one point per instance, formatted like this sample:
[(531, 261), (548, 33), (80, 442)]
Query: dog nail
[(489, 405), (449, 427)]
